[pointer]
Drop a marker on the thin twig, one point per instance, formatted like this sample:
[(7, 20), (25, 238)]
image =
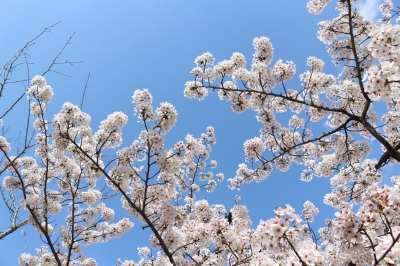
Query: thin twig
[(84, 90)]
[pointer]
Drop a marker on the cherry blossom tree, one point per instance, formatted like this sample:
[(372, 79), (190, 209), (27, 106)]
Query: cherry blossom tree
[(158, 184)]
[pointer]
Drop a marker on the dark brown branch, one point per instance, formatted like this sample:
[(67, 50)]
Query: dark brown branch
[(386, 156)]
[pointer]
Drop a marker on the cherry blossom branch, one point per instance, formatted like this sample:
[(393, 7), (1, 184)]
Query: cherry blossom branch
[(295, 251), (386, 157), (358, 68), (388, 250), (371, 243), (33, 213), (284, 97), (128, 199), (392, 151)]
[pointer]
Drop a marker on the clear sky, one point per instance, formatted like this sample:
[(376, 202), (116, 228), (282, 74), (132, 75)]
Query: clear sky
[(129, 45)]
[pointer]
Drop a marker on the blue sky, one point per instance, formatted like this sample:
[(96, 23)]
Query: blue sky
[(129, 45)]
